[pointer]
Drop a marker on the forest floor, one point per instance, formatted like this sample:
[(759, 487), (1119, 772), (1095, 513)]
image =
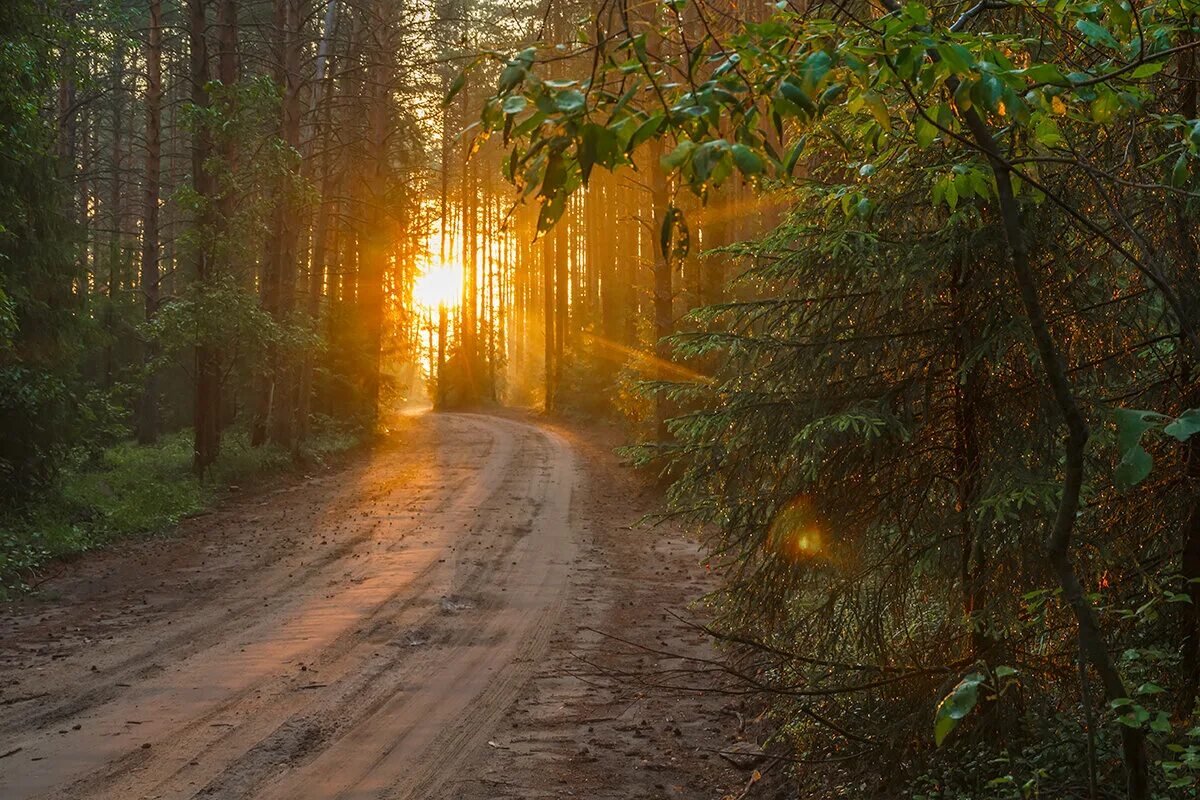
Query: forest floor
[(435, 619)]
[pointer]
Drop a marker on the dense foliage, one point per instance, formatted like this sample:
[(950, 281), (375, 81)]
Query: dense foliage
[(948, 447), (202, 203), (39, 336)]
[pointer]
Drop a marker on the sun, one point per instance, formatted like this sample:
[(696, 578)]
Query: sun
[(439, 285)]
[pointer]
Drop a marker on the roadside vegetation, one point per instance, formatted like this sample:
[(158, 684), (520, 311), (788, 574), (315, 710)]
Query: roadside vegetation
[(127, 490), (942, 426)]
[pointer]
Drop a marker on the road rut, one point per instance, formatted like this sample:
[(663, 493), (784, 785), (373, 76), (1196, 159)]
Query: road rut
[(355, 635)]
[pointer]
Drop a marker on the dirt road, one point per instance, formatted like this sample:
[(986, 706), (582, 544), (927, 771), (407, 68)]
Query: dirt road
[(394, 629)]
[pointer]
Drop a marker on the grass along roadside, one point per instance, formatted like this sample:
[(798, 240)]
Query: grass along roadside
[(131, 490)]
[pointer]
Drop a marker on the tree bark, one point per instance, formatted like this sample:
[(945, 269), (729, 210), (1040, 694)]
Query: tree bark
[(147, 420), (283, 256), (207, 370), (374, 238), (320, 109), (548, 257), (663, 291)]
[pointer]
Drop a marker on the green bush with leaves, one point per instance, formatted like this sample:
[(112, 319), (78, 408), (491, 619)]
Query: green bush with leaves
[(909, 452)]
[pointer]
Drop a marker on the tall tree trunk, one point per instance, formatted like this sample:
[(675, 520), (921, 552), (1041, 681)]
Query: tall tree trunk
[(562, 312), (320, 110), (663, 292), (548, 259), (468, 319), (114, 216), (286, 235), (147, 420), (374, 239), (967, 376), (207, 371)]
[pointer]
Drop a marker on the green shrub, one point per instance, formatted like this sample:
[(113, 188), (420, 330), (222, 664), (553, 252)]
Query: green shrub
[(130, 489)]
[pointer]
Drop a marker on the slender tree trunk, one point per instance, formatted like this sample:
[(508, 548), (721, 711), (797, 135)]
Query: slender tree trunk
[(207, 371), (548, 259), (114, 216), (1058, 542), (282, 401), (373, 266), (663, 291), (966, 390), (562, 282), (147, 421), (321, 106)]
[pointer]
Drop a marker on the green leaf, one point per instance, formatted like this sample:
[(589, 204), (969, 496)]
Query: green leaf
[(957, 57), (676, 157), (1179, 172), (1131, 424), (1146, 70), (815, 68), (572, 101), (878, 109), (962, 95), (514, 104), (1185, 426), (955, 706), (793, 157), (1106, 106), (511, 76), (460, 80), (748, 162), (705, 159), (1042, 73), (1133, 468), (1095, 34), (597, 145), (832, 93), (925, 131), (989, 92), (645, 131), (529, 124), (795, 94), (1047, 131)]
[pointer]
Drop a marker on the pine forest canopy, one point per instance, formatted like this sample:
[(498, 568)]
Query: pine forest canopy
[(903, 298)]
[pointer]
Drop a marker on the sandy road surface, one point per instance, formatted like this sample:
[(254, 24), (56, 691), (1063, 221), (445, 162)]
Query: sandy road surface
[(419, 624), (356, 636)]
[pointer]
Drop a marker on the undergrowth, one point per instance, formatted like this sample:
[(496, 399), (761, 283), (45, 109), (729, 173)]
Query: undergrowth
[(130, 490)]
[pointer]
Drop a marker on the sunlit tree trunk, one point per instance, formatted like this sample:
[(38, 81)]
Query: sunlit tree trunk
[(663, 298), (374, 237), (549, 257)]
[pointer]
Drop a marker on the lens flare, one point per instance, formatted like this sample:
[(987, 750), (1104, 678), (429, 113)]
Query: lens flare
[(795, 533)]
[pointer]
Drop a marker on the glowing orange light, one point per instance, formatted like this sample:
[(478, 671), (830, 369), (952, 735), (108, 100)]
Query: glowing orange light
[(439, 285), (647, 361), (794, 533)]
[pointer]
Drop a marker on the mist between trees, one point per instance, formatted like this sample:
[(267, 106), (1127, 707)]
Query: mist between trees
[(900, 298)]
